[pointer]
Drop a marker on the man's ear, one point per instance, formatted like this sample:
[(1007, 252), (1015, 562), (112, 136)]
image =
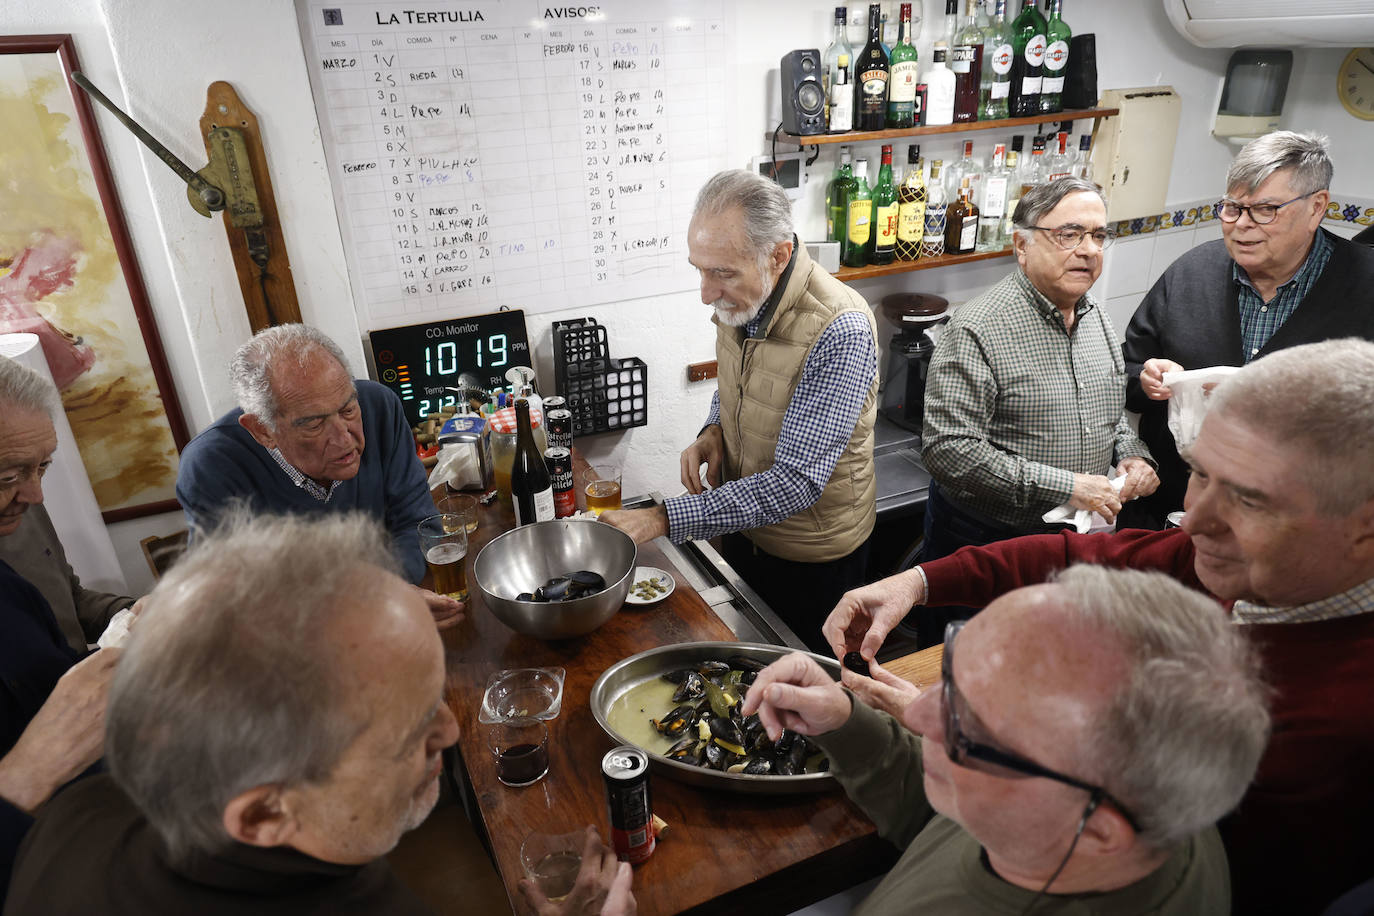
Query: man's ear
[(1361, 523), (782, 253), (258, 430), (1107, 833), (1020, 241), (259, 817)]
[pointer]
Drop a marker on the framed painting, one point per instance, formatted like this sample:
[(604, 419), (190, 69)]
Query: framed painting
[(68, 274)]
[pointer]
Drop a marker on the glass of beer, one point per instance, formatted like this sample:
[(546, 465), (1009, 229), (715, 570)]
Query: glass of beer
[(601, 484), (552, 860), (463, 506), (444, 542)]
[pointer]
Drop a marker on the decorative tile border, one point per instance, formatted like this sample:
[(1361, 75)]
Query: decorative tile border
[(1354, 211)]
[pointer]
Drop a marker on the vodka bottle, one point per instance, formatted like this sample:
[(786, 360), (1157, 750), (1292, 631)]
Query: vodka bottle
[(838, 47), (992, 202), (1061, 162), (933, 236)]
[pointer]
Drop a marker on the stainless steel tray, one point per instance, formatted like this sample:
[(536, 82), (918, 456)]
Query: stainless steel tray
[(629, 673)]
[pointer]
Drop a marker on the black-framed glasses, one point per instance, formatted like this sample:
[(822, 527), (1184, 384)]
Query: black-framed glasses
[(962, 749), (1263, 214), (1070, 237)]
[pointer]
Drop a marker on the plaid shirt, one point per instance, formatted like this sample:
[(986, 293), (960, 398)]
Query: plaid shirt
[(300, 480), (1259, 319), (1358, 600), (1016, 405), (815, 431)]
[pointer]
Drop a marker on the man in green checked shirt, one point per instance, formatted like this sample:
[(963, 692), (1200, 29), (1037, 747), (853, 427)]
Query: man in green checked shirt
[(1025, 399)]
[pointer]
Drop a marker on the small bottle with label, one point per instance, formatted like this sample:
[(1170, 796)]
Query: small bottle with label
[(842, 99), (530, 485), (961, 223)]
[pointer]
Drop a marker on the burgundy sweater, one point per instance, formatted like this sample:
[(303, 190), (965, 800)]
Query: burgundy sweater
[(1300, 837)]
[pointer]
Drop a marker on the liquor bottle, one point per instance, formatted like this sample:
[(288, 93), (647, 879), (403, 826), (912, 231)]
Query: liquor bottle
[(1027, 62), (966, 60), (992, 203), (961, 223), (838, 47), (870, 79), (967, 170), (531, 488), (836, 194), (951, 24), (1013, 194), (995, 85), (842, 100), (1060, 163), (884, 212), (858, 238), (1083, 168), (1034, 171), (911, 207), (901, 93), (1057, 36), (939, 88), (933, 234)]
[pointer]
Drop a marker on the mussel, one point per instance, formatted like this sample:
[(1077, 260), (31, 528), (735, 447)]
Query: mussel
[(677, 722), (727, 733), (692, 687), (685, 750), (568, 587), (713, 669)]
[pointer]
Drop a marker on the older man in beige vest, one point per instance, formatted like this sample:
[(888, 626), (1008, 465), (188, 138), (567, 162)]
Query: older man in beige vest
[(788, 444)]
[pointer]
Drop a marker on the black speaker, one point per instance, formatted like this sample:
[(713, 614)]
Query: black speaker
[(803, 98), (1080, 78)]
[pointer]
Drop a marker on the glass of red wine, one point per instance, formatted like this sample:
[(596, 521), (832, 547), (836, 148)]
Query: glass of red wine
[(520, 746)]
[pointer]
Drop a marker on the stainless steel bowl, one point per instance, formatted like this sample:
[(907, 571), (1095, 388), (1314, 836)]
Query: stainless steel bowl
[(625, 675), (525, 558)]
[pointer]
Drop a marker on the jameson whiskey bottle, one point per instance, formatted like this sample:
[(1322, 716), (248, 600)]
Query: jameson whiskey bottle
[(871, 76), (911, 208), (901, 93), (933, 236), (1028, 61), (1057, 36), (836, 193), (858, 238), (885, 212)]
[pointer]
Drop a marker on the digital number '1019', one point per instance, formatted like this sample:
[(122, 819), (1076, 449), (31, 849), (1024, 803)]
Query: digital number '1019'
[(442, 359)]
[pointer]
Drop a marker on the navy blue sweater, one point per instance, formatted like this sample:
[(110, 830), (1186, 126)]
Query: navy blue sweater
[(225, 463)]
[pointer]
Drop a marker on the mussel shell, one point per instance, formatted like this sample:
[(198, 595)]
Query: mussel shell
[(745, 663), (526, 596), (676, 722), (677, 675), (684, 750), (587, 579), (758, 766), (691, 688), (727, 730), (713, 669), (716, 756), (556, 589)]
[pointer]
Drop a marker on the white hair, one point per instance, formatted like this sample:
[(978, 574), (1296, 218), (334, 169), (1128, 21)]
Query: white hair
[(250, 369)]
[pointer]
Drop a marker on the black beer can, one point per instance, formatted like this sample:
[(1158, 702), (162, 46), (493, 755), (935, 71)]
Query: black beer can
[(559, 463), (558, 425), (555, 402), (629, 802)]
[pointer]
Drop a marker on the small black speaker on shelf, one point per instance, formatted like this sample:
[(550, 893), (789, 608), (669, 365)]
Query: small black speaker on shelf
[(803, 97)]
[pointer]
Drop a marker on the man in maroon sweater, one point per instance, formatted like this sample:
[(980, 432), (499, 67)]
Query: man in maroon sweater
[(1280, 528)]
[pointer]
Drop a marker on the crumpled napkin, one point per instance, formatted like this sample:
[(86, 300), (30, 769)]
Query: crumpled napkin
[(117, 630), (1082, 519), (1188, 400), (457, 467)]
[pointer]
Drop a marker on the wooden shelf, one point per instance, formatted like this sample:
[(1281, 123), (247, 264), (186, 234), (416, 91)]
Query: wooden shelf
[(862, 136), (847, 274)]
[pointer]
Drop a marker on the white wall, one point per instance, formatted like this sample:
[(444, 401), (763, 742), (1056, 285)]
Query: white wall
[(158, 57)]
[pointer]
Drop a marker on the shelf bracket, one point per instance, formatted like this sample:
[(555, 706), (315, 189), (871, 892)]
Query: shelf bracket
[(815, 153)]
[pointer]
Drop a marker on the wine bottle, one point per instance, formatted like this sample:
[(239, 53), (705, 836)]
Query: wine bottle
[(966, 60), (858, 238), (871, 75), (961, 223), (836, 193), (995, 85), (838, 47), (1027, 62), (884, 212), (901, 94), (531, 487), (1057, 36), (911, 208), (933, 237)]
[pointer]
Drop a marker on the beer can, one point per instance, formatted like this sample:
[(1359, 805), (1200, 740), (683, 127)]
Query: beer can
[(558, 426), (559, 462), (629, 802), (555, 402)]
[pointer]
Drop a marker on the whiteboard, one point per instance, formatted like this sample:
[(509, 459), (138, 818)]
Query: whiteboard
[(513, 153)]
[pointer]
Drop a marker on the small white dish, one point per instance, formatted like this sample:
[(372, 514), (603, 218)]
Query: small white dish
[(651, 574)]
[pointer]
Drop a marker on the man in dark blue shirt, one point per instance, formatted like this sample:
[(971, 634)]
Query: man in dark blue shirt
[(309, 439)]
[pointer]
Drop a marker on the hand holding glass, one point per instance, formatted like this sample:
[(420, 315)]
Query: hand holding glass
[(601, 484), (444, 542)]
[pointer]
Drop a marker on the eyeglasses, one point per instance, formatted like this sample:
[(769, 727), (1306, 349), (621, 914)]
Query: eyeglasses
[(1263, 214), (1070, 237), (15, 477), (962, 749)]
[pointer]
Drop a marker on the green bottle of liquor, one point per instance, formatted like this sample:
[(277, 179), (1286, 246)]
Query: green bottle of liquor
[(1057, 36), (836, 197), (885, 212), (858, 237), (997, 54), (901, 90), (1028, 61)]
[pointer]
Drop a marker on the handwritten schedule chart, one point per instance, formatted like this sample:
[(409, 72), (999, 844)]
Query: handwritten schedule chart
[(508, 153)]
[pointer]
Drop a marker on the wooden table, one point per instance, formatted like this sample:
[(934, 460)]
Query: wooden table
[(724, 852), (921, 668)]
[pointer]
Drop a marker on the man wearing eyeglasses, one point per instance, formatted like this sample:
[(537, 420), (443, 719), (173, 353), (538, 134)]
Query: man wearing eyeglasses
[(1086, 736), (1024, 402), (1275, 280)]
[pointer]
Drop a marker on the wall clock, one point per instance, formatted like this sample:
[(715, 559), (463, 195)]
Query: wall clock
[(1355, 83)]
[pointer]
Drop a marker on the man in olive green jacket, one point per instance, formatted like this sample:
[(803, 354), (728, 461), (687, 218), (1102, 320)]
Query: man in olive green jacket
[(1086, 736)]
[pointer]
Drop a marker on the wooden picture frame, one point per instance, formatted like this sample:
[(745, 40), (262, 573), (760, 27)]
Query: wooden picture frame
[(68, 273)]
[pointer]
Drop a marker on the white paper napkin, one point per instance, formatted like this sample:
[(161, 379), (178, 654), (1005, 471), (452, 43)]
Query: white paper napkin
[(1082, 519), (1188, 399)]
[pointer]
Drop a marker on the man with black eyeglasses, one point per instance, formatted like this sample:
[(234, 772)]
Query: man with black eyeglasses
[(1276, 279), (1086, 736)]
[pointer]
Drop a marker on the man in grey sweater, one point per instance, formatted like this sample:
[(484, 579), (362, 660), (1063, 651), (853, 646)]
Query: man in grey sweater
[(1087, 735)]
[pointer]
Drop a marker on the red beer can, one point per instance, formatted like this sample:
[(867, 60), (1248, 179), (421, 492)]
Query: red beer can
[(629, 802), (560, 465)]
